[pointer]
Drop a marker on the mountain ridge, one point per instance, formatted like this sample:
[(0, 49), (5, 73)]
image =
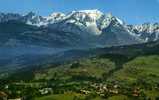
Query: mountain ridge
[(87, 28)]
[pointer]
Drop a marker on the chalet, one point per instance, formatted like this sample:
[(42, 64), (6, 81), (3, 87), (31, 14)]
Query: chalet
[(136, 92), (114, 91), (45, 91), (84, 92), (3, 95)]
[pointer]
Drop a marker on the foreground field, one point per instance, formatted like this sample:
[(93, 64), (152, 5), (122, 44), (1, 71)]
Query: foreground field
[(107, 77)]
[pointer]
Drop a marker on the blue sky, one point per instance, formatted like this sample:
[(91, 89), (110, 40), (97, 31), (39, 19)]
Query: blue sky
[(131, 11)]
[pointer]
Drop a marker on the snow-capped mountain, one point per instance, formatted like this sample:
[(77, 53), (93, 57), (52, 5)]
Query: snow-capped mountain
[(33, 19), (84, 28), (147, 32)]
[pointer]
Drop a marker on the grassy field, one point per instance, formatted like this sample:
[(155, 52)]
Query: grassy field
[(67, 96), (67, 80), (146, 67), (86, 67)]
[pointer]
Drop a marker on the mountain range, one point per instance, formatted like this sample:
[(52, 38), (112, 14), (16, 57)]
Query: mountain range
[(77, 29), (31, 40)]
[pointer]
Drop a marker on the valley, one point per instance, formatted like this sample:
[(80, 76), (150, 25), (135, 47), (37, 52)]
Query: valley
[(103, 76)]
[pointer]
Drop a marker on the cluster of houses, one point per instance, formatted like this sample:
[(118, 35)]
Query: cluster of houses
[(101, 89)]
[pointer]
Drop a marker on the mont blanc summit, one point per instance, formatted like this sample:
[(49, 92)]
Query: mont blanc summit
[(83, 28)]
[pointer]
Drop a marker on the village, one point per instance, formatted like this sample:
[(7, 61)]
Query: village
[(99, 89)]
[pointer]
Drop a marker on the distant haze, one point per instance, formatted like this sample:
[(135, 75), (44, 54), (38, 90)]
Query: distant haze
[(9, 52)]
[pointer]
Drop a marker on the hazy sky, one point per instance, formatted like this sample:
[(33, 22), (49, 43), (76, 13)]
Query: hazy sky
[(131, 11)]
